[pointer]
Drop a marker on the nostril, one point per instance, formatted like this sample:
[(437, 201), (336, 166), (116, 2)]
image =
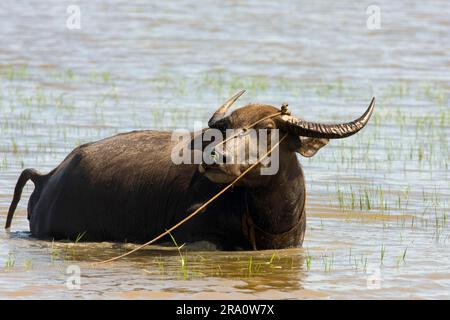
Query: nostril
[(213, 156), (218, 157)]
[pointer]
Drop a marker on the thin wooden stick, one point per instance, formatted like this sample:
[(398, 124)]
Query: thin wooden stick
[(247, 127), (196, 211)]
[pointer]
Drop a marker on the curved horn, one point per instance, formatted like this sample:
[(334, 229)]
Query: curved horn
[(327, 131), (220, 113)]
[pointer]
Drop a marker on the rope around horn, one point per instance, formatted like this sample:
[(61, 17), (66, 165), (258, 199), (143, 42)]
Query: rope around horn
[(198, 210)]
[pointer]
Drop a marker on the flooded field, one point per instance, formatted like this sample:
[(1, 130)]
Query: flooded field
[(378, 203)]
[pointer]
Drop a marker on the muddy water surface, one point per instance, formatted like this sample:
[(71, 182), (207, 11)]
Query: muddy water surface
[(378, 202)]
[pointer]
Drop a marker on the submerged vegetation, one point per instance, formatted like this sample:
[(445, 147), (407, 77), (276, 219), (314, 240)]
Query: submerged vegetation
[(393, 177)]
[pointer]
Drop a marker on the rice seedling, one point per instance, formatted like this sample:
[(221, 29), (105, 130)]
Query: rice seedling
[(401, 257), (28, 265), (308, 260), (69, 74), (328, 262), (365, 262), (11, 261), (271, 261), (382, 254), (250, 267), (220, 270), (15, 147), (105, 76), (53, 252), (183, 258), (79, 237), (160, 264)]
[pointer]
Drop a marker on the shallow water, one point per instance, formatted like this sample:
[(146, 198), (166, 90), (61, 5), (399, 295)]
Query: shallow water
[(378, 202)]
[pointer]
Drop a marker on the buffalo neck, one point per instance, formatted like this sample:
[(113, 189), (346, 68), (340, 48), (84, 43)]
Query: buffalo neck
[(277, 206)]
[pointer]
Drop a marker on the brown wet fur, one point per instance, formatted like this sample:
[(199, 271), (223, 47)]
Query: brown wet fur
[(126, 188)]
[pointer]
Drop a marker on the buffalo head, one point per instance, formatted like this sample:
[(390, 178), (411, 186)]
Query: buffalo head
[(303, 137)]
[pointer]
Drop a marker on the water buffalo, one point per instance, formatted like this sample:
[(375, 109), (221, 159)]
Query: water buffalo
[(126, 188)]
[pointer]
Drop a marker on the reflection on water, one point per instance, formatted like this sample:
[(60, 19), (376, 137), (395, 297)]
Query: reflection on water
[(378, 202), (154, 269)]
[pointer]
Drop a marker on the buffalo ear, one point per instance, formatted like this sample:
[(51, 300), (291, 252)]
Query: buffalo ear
[(310, 146)]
